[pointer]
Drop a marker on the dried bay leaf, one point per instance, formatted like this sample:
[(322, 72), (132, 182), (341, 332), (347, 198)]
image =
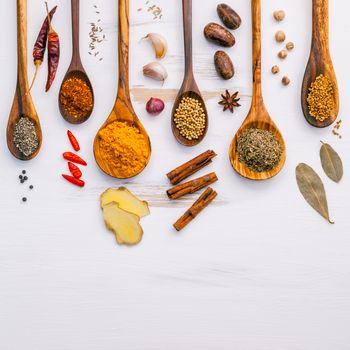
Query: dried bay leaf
[(312, 189), (331, 162)]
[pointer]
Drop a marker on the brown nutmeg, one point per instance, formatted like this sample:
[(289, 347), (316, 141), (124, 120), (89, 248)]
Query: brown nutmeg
[(224, 65), (219, 35), (228, 16), (282, 54), (280, 36)]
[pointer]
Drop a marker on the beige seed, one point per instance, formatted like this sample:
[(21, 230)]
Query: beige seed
[(279, 15), (280, 36), (282, 54)]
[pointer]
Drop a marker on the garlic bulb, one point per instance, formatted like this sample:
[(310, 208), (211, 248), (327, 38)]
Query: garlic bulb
[(159, 44), (155, 71)]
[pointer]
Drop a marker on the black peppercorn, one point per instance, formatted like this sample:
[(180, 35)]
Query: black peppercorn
[(31, 187), (24, 199), (23, 172)]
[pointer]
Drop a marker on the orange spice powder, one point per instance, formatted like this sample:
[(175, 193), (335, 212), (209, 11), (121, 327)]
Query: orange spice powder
[(124, 148)]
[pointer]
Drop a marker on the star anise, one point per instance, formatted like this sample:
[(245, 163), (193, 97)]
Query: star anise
[(229, 101)]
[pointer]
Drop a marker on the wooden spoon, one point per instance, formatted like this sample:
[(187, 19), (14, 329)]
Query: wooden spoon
[(76, 69), (320, 62), (258, 116), (189, 87), (22, 104), (123, 110)]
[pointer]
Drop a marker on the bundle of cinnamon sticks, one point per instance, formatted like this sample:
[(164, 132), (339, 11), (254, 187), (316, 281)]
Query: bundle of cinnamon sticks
[(184, 171)]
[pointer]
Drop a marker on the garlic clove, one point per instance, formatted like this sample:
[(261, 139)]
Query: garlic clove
[(159, 44), (155, 71)]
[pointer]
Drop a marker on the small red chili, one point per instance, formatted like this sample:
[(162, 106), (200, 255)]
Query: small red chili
[(75, 171), (74, 181), (73, 141), (73, 158)]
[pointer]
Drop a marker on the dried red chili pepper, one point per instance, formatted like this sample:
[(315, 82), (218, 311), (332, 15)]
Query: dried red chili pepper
[(74, 181), (73, 141), (75, 171), (53, 48), (73, 158), (40, 45)]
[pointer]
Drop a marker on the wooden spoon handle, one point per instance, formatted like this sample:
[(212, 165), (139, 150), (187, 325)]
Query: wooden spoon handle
[(256, 28), (187, 24), (320, 25), (75, 31), (22, 74), (123, 50)]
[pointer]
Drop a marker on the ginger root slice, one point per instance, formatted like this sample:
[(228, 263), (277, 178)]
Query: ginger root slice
[(126, 201), (125, 225)]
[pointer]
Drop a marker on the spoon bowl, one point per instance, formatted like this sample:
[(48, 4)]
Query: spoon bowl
[(319, 62), (22, 103), (189, 86), (258, 116), (81, 75), (181, 139), (76, 70)]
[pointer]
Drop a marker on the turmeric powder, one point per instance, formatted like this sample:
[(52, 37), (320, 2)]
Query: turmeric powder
[(124, 148)]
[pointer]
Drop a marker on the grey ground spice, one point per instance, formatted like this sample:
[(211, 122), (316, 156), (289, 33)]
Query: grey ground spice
[(25, 137), (259, 149)]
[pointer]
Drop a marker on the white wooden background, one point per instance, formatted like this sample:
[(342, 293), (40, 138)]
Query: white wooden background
[(258, 270)]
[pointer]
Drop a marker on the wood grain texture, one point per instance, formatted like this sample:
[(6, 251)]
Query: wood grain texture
[(319, 62), (76, 68), (258, 116), (189, 86), (123, 110), (22, 103)]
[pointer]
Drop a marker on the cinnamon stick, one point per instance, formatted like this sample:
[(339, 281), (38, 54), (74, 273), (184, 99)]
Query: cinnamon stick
[(201, 203), (191, 186), (185, 170)]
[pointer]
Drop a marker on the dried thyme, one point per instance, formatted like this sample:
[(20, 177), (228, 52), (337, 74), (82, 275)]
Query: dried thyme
[(259, 149), (25, 136)]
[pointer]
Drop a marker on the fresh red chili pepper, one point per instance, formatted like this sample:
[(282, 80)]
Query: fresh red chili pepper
[(74, 181), (73, 158), (40, 44), (53, 48), (74, 170), (73, 141)]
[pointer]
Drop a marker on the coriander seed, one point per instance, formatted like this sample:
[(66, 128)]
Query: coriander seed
[(290, 46), (275, 69), (282, 54), (285, 81), (279, 15), (280, 36)]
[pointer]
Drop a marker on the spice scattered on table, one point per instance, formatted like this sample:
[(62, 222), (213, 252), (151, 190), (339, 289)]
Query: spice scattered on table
[(187, 169), (74, 158), (290, 46), (320, 99), (155, 106), (201, 203), (53, 48), (285, 81), (190, 118), (124, 148), (229, 101), (96, 36), (219, 35), (22, 179), (279, 15), (122, 212), (25, 137), (259, 149), (155, 70), (191, 186), (280, 36), (74, 142), (40, 45), (275, 69), (159, 44), (331, 162), (156, 11), (76, 97), (229, 16), (336, 127), (74, 170), (73, 180), (282, 54), (223, 65)]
